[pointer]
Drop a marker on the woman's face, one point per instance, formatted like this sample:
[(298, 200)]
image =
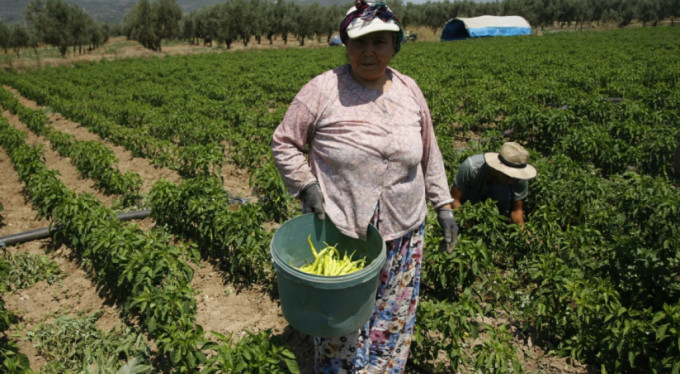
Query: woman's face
[(370, 54)]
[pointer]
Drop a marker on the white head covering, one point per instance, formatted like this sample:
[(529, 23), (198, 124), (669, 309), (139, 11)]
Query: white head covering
[(360, 27)]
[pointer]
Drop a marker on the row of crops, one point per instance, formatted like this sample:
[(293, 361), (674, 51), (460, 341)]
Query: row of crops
[(594, 274), (141, 271)]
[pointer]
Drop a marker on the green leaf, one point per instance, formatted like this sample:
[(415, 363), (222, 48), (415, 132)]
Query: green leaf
[(175, 356)]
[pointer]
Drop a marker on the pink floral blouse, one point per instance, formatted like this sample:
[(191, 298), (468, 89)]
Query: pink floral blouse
[(364, 147)]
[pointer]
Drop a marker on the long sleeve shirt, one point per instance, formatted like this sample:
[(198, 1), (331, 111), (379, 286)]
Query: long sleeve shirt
[(364, 147)]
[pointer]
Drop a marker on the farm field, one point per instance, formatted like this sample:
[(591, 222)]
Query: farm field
[(590, 284)]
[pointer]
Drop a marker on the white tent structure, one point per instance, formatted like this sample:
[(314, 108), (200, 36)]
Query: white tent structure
[(477, 27)]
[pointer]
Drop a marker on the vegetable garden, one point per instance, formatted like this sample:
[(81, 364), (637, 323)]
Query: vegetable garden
[(594, 274)]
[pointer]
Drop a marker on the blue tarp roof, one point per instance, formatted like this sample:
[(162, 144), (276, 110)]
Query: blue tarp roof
[(476, 27)]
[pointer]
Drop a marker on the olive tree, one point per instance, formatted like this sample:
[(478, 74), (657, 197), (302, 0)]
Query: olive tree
[(4, 37), (243, 18), (648, 11), (673, 9), (434, 15), (142, 26), (284, 14), (19, 38), (81, 27), (187, 28), (150, 23), (167, 15), (261, 18), (52, 22), (330, 21), (225, 27)]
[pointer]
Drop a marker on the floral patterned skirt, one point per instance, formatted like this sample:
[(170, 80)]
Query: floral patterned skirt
[(382, 344)]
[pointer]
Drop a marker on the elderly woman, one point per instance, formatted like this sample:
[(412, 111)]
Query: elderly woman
[(372, 159)]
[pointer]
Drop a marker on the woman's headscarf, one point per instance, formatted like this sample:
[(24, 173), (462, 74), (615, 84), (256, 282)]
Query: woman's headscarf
[(368, 13)]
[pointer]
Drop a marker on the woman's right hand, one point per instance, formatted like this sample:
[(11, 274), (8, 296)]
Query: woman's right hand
[(449, 228), (312, 201)]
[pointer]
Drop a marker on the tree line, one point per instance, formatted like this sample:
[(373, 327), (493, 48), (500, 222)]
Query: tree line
[(262, 19), (57, 23)]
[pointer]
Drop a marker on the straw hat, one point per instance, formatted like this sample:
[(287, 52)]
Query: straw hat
[(512, 161)]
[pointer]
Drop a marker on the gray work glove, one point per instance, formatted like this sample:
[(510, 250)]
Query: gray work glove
[(450, 228), (312, 201)]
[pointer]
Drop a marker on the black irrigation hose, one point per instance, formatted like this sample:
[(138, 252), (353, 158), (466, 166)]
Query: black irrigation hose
[(45, 231)]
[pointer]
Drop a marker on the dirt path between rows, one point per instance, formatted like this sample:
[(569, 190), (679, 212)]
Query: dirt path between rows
[(42, 302), (68, 173), (220, 307)]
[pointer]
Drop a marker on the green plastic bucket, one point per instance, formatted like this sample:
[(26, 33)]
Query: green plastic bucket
[(318, 305)]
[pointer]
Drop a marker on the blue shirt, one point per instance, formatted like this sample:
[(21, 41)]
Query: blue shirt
[(471, 179)]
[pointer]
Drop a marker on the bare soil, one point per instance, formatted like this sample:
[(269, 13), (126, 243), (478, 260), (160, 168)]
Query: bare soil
[(221, 307)]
